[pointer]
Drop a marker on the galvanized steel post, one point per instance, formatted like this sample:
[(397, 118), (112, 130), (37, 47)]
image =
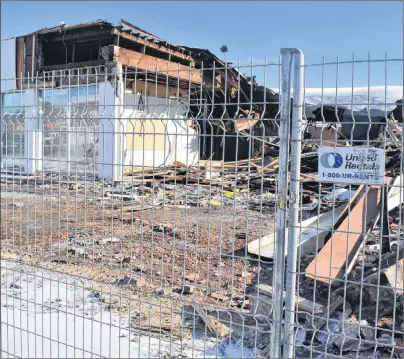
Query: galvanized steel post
[(281, 203), (294, 201)]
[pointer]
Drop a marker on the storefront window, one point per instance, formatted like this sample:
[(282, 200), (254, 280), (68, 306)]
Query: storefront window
[(70, 129), (12, 131)]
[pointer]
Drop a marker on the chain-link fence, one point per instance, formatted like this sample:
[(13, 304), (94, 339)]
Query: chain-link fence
[(218, 211)]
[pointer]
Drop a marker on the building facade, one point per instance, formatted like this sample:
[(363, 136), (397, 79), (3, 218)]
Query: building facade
[(98, 99)]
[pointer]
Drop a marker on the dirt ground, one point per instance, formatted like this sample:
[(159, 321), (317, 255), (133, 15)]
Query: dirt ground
[(176, 254), (154, 251)]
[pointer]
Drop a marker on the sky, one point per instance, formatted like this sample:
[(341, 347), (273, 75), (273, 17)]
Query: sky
[(253, 31)]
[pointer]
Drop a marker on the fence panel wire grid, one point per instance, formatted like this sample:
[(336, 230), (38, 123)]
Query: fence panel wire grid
[(139, 213)]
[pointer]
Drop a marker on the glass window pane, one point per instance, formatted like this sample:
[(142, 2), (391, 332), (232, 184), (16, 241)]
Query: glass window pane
[(12, 131)]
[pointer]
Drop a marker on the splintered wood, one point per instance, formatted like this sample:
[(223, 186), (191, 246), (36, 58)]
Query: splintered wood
[(217, 328)]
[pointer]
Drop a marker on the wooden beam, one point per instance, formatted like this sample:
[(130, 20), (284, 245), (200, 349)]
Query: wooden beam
[(329, 264), (139, 30), (116, 39), (78, 35), (19, 61), (74, 52), (74, 65), (241, 124), (312, 231), (217, 328), (33, 71), (152, 45), (149, 63)]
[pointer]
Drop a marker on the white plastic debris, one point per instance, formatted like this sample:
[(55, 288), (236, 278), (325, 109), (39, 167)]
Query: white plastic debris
[(339, 194), (111, 240)]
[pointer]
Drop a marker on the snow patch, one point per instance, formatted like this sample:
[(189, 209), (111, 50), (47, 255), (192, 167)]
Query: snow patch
[(356, 98), (46, 314)]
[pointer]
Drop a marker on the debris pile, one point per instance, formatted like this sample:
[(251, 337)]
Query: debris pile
[(181, 233)]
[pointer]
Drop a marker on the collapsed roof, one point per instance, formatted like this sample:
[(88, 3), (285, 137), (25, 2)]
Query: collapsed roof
[(97, 47)]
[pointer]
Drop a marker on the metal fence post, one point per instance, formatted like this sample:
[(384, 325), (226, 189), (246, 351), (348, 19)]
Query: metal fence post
[(281, 203), (294, 200)]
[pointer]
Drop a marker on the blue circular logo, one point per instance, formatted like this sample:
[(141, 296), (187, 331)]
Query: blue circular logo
[(331, 160)]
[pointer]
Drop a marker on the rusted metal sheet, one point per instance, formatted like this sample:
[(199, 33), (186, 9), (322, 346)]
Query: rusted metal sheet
[(146, 62), (74, 65)]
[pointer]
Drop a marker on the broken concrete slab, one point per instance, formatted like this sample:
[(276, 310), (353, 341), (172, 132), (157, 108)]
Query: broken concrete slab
[(137, 281), (396, 195), (187, 289), (261, 307), (367, 332), (349, 338), (327, 336), (327, 312), (300, 336), (395, 276), (301, 303)]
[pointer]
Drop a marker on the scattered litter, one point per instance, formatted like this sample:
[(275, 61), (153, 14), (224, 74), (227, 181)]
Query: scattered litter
[(215, 203), (111, 240)]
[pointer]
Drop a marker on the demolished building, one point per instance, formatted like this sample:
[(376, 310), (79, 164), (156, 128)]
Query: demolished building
[(75, 97)]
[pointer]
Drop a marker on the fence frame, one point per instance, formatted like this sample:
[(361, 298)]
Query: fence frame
[(294, 200)]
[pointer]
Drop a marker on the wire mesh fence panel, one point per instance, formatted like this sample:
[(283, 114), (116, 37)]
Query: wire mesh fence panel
[(133, 206), (216, 210), (348, 263)]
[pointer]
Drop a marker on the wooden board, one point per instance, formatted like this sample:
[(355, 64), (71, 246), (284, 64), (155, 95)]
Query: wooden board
[(386, 236), (243, 124), (217, 328), (153, 64), (310, 231), (329, 264)]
